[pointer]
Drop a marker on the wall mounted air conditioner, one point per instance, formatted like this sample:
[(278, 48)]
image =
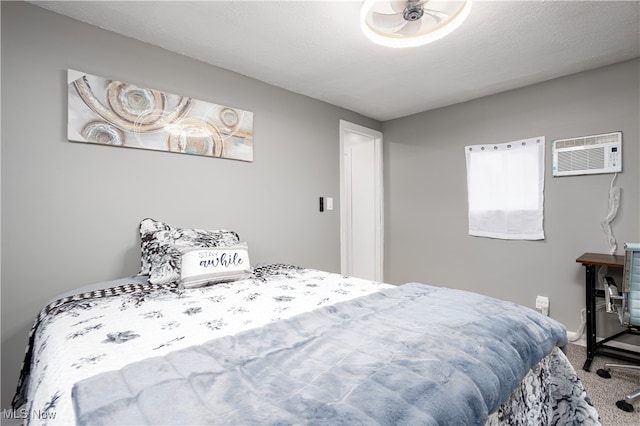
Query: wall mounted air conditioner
[(587, 155)]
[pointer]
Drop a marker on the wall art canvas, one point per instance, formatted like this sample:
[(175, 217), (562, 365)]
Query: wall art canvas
[(110, 112)]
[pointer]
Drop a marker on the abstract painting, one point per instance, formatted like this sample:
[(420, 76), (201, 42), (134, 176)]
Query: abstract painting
[(110, 112)]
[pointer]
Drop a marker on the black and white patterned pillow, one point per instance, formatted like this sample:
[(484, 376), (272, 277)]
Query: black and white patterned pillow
[(161, 243)]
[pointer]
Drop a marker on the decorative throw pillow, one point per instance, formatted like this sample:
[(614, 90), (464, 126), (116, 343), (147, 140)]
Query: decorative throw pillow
[(161, 244), (201, 266)]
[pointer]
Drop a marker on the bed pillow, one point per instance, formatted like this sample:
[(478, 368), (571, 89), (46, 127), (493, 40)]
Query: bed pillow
[(202, 266), (161, 244)]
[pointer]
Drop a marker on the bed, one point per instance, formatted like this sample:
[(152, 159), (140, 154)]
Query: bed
[(281, 344)]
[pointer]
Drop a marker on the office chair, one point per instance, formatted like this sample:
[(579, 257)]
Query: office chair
[(626, 305)]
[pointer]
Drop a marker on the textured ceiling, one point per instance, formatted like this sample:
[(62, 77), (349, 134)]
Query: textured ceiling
[(316, 48)]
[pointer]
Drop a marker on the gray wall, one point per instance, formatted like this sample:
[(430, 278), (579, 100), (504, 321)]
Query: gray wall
[(426, 194), (70, 211)]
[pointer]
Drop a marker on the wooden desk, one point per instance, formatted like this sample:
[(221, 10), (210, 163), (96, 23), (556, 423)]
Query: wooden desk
[(590, 261)]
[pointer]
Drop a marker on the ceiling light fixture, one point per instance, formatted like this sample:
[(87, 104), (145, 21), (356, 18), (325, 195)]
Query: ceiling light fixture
[(410, 23)]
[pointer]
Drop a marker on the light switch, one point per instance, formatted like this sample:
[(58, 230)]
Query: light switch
[(329, 203)]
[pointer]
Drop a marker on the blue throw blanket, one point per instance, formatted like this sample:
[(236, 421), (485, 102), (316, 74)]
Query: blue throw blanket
[(414, 354)]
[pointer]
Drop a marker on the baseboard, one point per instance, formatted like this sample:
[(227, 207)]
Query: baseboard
[(575, 339), (581, 341), (621, 345)]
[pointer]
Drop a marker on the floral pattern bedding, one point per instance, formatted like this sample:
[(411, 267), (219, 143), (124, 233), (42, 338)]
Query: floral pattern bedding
[(550, 394), (81, 336)]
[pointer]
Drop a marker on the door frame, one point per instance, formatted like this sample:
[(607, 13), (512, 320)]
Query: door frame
[(345, 200)]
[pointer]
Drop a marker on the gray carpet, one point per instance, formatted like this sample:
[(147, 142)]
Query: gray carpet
[(605, 392)]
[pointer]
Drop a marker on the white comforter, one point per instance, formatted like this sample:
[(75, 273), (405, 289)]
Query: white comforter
[(89, 336)]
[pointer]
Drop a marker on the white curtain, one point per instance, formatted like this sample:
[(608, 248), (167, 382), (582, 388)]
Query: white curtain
[(505, 184)]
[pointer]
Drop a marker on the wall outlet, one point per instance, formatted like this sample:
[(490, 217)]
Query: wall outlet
[(542, 305)]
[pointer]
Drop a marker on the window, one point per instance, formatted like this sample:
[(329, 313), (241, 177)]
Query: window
[(505, 184)]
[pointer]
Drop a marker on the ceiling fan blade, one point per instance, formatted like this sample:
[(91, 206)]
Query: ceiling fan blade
[(436, 14), (410, 29), (384, 20), (398, 6)]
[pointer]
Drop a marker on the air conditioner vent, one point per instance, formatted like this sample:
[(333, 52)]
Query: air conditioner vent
[(588, 155), (588, 140)]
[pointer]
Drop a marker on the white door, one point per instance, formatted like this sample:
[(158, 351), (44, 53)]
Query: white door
[(361, 204)]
